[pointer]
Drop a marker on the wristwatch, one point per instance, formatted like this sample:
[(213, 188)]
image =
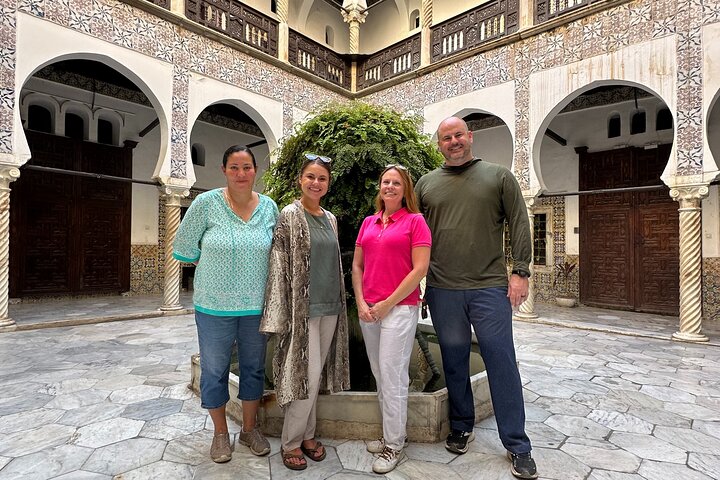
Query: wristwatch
[(521, 273)]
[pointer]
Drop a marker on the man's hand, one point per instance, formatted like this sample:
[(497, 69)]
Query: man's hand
[(517, 289)]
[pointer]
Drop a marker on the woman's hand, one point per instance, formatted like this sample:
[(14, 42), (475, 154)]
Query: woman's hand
[(380, 310), (364, 311)]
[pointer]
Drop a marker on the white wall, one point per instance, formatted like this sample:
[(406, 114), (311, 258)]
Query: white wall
[(215, 141), (311, 17), (445, 9), (385, 24), (494, 145)]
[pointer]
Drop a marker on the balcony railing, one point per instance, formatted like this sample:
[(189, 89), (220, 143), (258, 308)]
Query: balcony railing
[(395, 60), (474, 27), (237, 21), (548, 9), (317, 59)]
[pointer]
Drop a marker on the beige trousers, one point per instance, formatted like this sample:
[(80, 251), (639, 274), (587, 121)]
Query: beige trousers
[(300, 415)]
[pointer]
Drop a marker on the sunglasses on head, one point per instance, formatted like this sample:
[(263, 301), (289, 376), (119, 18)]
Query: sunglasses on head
[(312, 157), (395, 165)]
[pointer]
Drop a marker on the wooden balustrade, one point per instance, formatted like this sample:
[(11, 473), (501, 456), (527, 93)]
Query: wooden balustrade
[(548, 9), (395, 60), (487, 22), (237, 21), (317, 59)]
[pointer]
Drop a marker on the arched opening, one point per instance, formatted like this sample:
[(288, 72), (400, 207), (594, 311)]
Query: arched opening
[(329, 36), (74, 234), (414, 19), (39, 119), (626, 239), (614, 128), (197, 154), (664, 119), (74, 126)]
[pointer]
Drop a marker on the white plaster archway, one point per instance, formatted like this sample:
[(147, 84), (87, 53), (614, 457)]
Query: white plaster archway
[(265, 112), (152, 76)]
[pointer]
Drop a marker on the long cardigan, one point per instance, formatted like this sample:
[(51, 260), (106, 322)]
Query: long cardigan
[(287, 306)]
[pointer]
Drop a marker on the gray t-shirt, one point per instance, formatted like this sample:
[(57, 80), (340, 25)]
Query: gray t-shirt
[(324, 267)]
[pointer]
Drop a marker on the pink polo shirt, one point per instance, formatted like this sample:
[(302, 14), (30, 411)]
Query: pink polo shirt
[(387, 254)]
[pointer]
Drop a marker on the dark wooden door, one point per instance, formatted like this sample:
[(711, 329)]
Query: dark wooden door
[(629, 241), (70, 234)]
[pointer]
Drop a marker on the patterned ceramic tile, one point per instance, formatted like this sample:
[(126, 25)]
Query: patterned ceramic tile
[(7, 17), (33, 7), (5, 141)]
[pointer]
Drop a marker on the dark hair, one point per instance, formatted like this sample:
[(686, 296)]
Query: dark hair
[(317, 161), (236, 149)]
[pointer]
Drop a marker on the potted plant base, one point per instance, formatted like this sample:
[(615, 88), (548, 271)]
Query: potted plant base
[(568, 302)]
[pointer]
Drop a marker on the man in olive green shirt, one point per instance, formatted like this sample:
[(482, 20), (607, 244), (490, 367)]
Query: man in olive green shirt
[(466, 203)]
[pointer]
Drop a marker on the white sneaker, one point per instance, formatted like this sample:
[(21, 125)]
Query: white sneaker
[(377, 446), (387, 460)]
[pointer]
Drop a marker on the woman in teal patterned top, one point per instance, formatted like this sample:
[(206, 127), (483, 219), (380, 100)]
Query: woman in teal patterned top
[(227, 233)]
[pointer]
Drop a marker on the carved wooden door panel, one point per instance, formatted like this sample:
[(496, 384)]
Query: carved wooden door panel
[(629, 241), (70, 234), (41, 221)]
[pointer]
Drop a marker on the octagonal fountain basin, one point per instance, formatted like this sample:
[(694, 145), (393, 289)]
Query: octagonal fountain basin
[(356, 414)]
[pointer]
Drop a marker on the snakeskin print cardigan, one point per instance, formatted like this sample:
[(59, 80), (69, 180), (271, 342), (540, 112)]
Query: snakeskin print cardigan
[(286, 314)]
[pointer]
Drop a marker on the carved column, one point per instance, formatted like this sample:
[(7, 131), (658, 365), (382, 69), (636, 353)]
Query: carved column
[(354, 13), (173, 197), (8, 174), (426, 15), (690, 198), (283, 30), (527, 308)]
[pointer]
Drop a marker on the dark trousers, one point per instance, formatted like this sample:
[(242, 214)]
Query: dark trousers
[(489, 313)]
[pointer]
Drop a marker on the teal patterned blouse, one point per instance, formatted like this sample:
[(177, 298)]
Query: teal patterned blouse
[(232, 255)]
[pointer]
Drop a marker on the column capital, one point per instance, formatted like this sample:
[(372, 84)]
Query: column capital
[(8, 174), (173, 194), (354, 11), (681, 193), (530, 202)]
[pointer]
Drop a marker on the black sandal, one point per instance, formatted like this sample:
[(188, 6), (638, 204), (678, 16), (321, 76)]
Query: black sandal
[(313, 452)]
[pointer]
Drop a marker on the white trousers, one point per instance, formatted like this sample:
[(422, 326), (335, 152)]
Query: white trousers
[(389, 345), (300, 415)]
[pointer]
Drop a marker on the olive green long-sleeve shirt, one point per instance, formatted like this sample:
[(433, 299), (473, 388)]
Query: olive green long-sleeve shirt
[(465, 208)]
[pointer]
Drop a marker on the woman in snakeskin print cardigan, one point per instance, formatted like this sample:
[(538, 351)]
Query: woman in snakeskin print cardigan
[(305, 309)]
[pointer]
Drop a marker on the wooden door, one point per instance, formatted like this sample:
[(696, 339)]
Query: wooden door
[(69, 234), (629, 241)]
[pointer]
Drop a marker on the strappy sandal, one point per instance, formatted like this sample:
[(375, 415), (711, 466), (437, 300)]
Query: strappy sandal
[(287, 456), (313, 452)]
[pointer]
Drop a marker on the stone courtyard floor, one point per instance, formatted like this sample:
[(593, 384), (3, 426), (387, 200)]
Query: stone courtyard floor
[(110, 400)]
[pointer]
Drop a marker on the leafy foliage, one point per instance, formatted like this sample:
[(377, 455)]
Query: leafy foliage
[(361, 139), (561, 282)]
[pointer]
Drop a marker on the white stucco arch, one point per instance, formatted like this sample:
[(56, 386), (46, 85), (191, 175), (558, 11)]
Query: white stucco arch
[(267, 113), (152, 76), (650, 66), (117, 121), (498, 100), (79, 109), (34, 98)]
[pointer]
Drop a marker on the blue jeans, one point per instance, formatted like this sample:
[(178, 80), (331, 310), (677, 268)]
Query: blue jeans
[(489, 313), (217, 336)]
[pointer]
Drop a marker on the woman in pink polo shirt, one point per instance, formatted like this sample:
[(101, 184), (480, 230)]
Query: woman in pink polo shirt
[(392, 254)]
